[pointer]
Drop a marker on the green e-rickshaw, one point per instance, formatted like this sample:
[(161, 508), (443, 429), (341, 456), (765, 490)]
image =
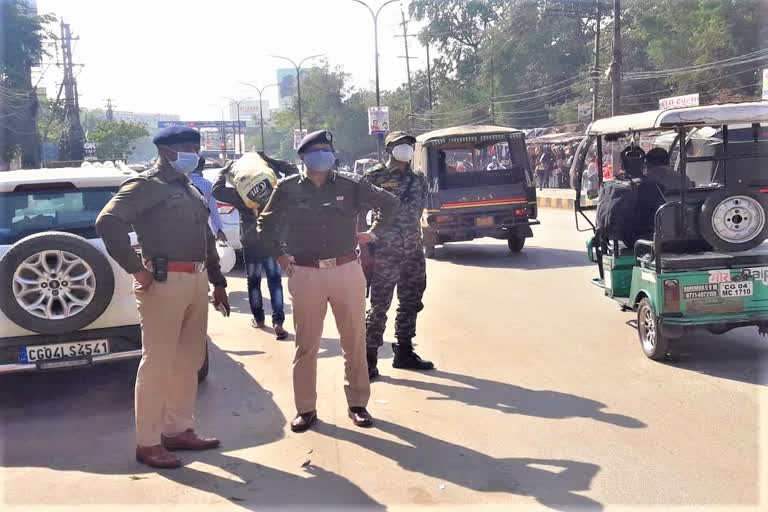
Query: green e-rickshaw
[(682, 213)]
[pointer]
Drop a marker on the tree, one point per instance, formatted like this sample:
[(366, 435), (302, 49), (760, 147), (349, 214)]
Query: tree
[(536, 61), (330, 102), (115, 139), (21, 39)]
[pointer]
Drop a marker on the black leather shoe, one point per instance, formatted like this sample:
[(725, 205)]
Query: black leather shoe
[(407, 359), (360, 417), (302, 422)]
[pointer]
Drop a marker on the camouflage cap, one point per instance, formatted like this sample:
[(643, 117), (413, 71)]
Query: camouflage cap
[(398, 136)]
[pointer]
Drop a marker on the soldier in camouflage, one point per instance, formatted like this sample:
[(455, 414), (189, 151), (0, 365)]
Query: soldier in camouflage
[(398, 257)]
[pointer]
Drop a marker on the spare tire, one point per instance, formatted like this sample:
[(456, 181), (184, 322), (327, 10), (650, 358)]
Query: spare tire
[(733, 222), (54, 282)]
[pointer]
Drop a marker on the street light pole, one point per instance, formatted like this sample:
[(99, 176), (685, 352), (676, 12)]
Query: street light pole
[(375, 16), (298, 80), (261, 110), (236, 132)]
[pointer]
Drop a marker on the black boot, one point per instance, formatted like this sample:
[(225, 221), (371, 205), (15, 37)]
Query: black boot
[(407, 359), (373, 356)]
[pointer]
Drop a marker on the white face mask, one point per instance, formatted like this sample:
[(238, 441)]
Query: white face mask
[(403, 153), (186, 162)]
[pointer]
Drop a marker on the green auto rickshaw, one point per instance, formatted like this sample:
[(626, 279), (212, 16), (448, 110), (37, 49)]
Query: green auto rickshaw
[(682, 206)]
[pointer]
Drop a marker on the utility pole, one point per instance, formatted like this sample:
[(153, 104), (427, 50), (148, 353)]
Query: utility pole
[(429, 77), (72, 143), (596, 64), (110, 114), (493, 92), (407, 59), (616, 64)]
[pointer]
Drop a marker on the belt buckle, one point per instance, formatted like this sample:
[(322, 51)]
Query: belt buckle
[(329, 263)]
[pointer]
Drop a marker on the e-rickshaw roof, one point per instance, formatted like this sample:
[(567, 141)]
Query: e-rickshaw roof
[(727, 113), (465, 130)]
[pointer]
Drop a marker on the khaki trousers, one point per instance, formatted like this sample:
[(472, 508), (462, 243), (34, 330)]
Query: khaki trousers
[(312, 289), (174, 320)]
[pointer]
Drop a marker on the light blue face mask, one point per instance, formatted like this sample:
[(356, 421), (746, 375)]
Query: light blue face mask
[(185, 163), (320, 161)]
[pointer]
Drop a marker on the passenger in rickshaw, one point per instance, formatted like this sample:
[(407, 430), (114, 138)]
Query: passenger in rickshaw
[(659, 171), (629, 202)]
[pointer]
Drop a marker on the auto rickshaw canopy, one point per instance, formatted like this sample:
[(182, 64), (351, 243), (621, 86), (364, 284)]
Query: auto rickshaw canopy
[(724, 114)]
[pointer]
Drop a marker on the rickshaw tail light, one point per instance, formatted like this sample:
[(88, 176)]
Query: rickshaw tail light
[(764, 190), (671, 296), (521, 212)]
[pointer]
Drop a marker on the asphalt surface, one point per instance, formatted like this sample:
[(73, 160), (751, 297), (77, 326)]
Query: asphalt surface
[(542, 401)]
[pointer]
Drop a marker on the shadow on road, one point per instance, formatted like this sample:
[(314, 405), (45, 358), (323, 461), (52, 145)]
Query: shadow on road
[(515, 399), (82, 421), (738, 355), (552, 483), (238, 303), (498, 256)]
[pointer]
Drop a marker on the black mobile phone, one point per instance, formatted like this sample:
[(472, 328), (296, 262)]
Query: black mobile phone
[(160, 269)]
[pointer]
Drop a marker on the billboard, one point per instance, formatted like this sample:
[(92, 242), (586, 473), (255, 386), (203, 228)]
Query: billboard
[(297, 136), (765, 84), (689, 100), (378, 120), (249, 111), (202, 124), (287, 86)]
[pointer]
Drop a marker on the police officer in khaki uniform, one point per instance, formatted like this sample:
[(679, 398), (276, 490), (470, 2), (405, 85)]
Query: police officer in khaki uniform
[(310, 223), (178, 252)]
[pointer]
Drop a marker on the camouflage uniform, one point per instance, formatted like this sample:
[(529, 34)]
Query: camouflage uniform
[(399, 257)]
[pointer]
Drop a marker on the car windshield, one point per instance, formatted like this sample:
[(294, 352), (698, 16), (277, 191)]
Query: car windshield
[(73, 211)]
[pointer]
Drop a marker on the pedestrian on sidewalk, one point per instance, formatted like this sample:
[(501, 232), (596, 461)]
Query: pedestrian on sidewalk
[(170, 218), (255, 253), (310, 225), (398, 256)]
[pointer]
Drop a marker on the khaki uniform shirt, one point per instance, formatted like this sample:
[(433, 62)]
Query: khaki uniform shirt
[(320, 223), (170, 218)]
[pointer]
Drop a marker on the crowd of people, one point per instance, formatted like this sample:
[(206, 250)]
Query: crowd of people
[(552, 164)]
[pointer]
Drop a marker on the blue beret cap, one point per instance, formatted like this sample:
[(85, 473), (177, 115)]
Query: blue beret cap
[(176, 135), (318, 137)]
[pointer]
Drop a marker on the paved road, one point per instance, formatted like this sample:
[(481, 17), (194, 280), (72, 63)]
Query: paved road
[(542, 400)]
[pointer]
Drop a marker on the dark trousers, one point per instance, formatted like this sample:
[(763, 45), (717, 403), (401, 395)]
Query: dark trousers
[(254, 265), (407, 272)]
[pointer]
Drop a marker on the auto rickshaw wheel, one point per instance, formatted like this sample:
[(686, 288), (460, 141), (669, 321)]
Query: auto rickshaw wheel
[(734, 222), (655, 346), (516, 243)]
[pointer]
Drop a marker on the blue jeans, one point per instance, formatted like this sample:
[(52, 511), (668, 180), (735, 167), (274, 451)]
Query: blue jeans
[(253, 269)]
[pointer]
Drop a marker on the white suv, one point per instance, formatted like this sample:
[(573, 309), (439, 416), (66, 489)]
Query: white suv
[(64, 303)]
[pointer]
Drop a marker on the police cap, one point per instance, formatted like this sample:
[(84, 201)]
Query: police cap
[(176, 135), (398, 136), (318, 137)]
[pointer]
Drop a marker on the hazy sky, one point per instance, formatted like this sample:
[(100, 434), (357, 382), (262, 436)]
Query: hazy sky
[(182, 56)]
